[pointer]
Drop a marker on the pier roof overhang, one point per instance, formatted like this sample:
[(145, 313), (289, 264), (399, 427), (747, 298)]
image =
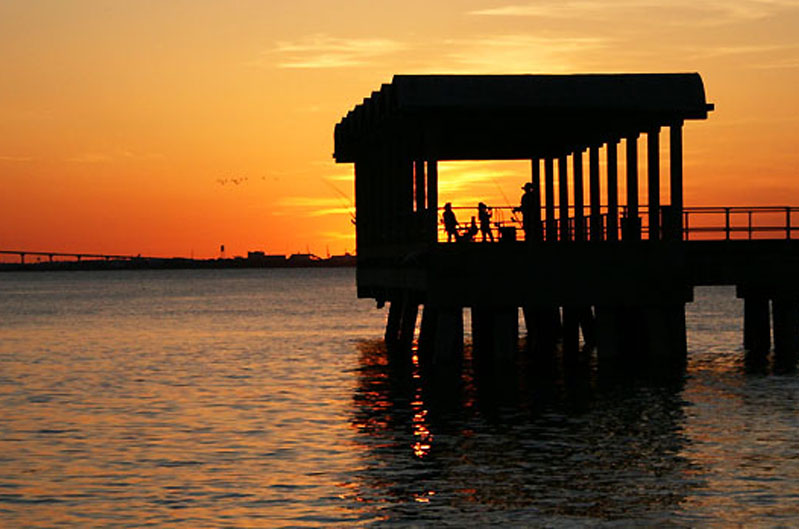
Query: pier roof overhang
[(492, 117)]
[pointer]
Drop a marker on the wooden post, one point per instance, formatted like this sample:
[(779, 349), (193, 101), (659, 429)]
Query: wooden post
[(594, 194), (785, 313), (675, 180), (563, 198), (549, 199), (579, 201), (632, 228), (393, 322), (449, 337), (757, 337), (432, 198), (410, 312), (653, 182), (419, 183), (613, 191)]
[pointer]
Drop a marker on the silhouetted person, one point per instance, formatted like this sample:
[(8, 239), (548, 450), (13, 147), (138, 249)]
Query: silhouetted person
[(484, 213), (470, 232), (450, 223), (530, 208)]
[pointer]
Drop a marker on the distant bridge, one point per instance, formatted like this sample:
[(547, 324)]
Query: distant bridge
[(76, 255)]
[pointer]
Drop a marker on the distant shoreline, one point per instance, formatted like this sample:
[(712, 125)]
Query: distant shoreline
[(178, 263)]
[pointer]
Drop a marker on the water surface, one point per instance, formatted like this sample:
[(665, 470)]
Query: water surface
[(264, 398)]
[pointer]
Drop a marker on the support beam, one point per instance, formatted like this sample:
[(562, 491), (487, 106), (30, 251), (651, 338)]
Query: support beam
[(571, 331), (393, 322), (597, 228), (653, 182), (543, 328), (432, 198), (495, 333), (419, 184), (757, 329), (563, 198), (579, 201), (613, 191), (535, 179), (549, 200), (632, 227), (785, 313), (410, 312), (448, 341), (673, 224)]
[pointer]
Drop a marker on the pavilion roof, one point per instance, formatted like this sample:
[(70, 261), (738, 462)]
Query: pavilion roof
[(473, 117)]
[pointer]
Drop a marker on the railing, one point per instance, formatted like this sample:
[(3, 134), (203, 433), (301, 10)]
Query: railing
[(698, 223)]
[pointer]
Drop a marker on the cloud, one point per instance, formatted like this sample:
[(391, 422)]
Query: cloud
[(119, 154), (91, 157), (316, 206), (706, 13), (6, 158), (522, 53), (324, 51), (456, 177)]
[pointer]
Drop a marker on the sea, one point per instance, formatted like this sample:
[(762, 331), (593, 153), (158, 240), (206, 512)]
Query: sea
[(265, 398)]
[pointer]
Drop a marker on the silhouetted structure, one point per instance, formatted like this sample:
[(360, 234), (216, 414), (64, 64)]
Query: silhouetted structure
[(636, 272)]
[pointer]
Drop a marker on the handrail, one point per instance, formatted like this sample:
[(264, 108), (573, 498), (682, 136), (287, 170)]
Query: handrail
[(697, 222)]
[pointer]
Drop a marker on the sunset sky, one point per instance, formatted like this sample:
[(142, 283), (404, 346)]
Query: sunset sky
[(172, 127)]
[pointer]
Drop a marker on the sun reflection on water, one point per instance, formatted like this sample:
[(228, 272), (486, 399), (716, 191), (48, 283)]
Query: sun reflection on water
[(423, 438)]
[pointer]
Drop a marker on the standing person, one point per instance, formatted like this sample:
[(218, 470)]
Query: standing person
[(450, 222), (530, 209), (484, 214)]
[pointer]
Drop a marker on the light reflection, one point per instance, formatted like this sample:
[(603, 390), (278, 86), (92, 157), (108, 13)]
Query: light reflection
[(424, 438)]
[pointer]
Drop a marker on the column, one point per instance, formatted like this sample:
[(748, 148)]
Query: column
[(432, 199), (579, 202), (549, 198), (419, 183), (632, 228), (757, 328), (594, 195), (535, 179), (563, 198), (613, 191), (674, 221), (653, 182)]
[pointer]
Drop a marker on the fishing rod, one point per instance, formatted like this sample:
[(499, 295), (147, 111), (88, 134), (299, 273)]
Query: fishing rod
[(348, 204), (504, 196)]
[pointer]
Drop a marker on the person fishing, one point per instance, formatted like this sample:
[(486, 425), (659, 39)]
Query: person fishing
[(450, 223), (484, 214), (530, 208)]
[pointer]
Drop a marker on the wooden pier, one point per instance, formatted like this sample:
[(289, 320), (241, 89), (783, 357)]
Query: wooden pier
[(618, 271)]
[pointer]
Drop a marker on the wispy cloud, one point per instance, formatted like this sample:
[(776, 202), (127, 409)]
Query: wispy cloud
[(91, 157), (110, 156), (324, 51), (315, 206), (457, 177), (706, 13), (522, 53), (7, 158)]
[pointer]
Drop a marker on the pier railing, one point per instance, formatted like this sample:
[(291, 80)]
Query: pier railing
[(698, 223)]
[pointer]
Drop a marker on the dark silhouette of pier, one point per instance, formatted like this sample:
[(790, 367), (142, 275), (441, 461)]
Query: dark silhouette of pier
[(619, 272)]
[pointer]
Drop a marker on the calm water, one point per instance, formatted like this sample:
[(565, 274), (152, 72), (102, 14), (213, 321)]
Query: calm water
[(262, 398)]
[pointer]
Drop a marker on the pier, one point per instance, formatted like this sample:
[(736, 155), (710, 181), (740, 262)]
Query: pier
[(613, 269)]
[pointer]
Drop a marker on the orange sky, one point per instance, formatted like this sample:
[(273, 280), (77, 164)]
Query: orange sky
[(171, 127)]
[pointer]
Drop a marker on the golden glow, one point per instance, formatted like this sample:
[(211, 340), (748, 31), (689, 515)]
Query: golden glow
[(170, 128), (423, 438)]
